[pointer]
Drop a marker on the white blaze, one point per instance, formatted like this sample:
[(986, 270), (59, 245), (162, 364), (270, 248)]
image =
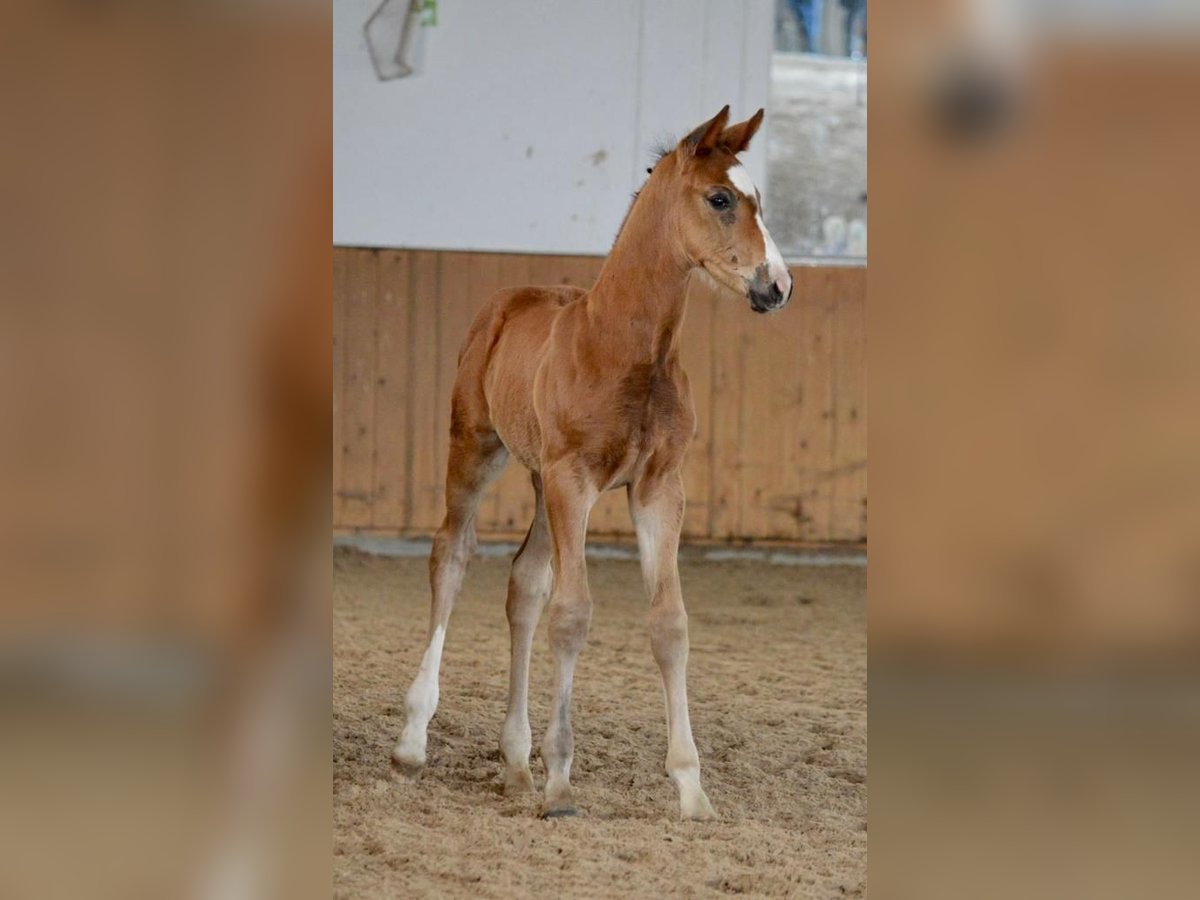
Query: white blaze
[(776, 268)]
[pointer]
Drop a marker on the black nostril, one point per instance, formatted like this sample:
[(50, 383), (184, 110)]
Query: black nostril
[(775, 293)]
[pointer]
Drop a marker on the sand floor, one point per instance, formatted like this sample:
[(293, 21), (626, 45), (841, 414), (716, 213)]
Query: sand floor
[(777, 683)]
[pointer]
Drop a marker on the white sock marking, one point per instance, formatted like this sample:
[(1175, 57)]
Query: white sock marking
[(421, 701), (423, 695), (647, 538)]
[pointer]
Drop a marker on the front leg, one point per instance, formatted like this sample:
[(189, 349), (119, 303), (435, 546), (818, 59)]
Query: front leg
[(568, 502), (657, 511)]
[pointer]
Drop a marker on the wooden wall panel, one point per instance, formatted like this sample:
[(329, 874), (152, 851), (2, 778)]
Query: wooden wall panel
[(393, 491), (341, 268), (455, 306), (358, 391), (808, 446), (425, 479), (780, 451), (725, 403), (849, 471)]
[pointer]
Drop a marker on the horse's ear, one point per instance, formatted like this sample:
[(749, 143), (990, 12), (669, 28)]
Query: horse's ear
[(736, 138), (701, 141)]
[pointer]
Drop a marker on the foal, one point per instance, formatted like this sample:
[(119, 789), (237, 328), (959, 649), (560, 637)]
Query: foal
[(585, 388)]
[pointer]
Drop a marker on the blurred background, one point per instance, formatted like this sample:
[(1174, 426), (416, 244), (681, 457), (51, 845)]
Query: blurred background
[(164, 310), (1035, 607), (165, 295)]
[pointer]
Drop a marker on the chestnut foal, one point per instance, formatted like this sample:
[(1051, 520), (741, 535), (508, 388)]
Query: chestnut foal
[(585, 388)]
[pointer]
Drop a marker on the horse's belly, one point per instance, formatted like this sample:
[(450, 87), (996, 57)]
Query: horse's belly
[(510, 404), (522, 437)]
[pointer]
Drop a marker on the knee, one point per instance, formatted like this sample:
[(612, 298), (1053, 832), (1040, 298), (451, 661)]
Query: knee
[(569, 621), (523, 608), (668, 627), (453, 544), (531, 573), (515, 608), (528, 587)]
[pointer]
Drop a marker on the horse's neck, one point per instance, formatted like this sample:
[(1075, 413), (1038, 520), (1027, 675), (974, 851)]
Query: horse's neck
[(641, 292)]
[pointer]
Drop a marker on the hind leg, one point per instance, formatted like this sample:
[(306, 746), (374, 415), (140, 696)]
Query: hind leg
[(476, 458), (528, 590)]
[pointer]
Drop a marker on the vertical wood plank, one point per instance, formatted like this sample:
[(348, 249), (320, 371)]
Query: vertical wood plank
[(610, 515), (576, 271), (547, 270), (341, 267), (514, 269), (580, 271), (771, 370), (849, 482), (586, 269), (725, 501), (358, 395), (392, 495), (424, 476), (806, 495)]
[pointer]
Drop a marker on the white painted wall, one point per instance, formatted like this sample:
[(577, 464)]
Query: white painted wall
[(528, 124)]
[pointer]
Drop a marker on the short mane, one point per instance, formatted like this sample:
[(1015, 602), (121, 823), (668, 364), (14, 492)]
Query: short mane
[(662, 148)]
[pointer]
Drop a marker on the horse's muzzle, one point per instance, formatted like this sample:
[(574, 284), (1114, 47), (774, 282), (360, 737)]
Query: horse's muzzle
[(770, 296)]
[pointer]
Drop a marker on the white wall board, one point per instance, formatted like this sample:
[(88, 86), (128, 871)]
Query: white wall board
[(528, 125)]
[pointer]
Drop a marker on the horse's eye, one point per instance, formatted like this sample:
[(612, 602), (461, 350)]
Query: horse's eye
[(718, 201)]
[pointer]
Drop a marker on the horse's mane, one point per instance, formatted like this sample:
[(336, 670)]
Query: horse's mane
[(662, 148)]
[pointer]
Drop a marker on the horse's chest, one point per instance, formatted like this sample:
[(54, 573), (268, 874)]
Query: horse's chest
[(650, 418)]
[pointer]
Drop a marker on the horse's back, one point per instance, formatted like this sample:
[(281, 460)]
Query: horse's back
[(499, 359)]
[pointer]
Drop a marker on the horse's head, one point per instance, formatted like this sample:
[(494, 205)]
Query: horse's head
[(718, 212)]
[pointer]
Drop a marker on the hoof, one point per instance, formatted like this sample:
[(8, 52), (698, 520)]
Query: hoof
[(407, 765), (518, 783), (699, 810), (559, 799)]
